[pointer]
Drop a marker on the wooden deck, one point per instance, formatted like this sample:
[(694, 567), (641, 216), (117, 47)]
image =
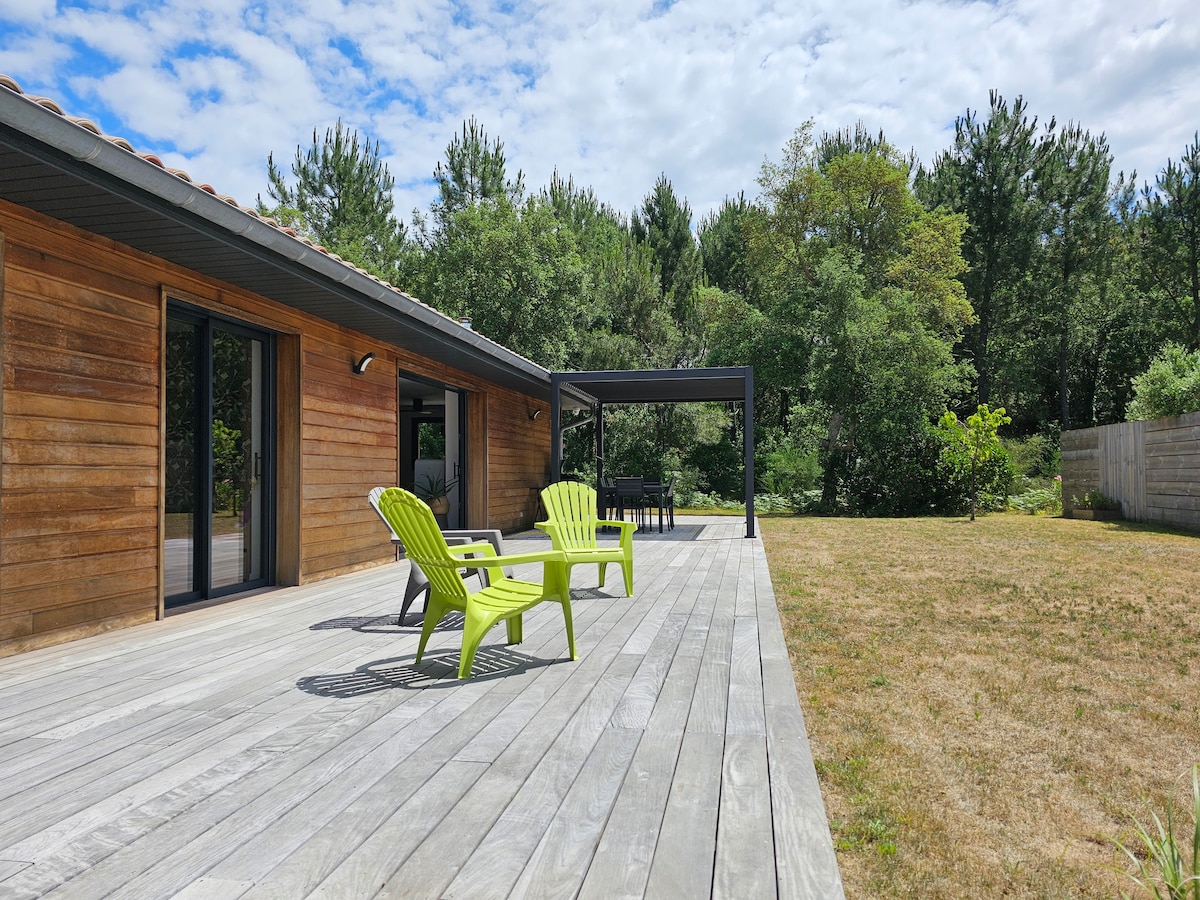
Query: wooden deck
[(286, 746)]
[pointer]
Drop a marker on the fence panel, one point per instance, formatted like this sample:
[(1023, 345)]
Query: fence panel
[(1153, 468)]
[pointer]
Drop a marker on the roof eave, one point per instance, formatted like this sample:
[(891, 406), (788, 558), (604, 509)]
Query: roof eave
[(61, 139)]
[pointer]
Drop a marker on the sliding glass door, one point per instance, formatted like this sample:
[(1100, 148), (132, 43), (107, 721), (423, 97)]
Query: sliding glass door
[(219, 452)]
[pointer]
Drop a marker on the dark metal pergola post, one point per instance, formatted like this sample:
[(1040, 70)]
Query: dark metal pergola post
[(556, 380), (601, 505), (748, 448)]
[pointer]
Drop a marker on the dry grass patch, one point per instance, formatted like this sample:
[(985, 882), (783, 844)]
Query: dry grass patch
[(987, 701)]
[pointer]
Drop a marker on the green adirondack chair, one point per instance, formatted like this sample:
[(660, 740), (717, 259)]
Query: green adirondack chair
[(504, 599), (572, 523)]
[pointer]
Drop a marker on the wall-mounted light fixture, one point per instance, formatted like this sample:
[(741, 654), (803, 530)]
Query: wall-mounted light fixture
[(465, 321), (361, 366), (533, 415)]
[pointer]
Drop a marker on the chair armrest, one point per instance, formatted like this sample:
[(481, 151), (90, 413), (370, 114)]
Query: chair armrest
[(484, 547), (491, 561), (617, 523), (517, 559), (627, 529), (553, 530)]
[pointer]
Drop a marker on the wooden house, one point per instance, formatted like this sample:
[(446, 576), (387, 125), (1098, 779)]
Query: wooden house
[(195, 401)]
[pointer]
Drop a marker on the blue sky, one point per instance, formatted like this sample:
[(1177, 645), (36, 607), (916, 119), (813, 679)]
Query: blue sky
[(613, 92)]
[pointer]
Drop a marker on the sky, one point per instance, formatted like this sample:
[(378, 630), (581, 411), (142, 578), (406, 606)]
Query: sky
[(611, 92)]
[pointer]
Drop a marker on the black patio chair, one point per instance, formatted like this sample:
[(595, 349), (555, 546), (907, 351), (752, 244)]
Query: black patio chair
[(631, 494)]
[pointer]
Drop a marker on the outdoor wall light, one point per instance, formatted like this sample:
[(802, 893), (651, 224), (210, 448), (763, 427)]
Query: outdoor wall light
[(533, 415), (361, 366)]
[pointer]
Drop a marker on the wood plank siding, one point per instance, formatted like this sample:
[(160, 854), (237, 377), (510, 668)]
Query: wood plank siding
[(82, 323), (79, 531)]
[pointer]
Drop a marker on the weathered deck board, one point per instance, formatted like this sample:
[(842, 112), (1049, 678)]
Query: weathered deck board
[(285, 745)]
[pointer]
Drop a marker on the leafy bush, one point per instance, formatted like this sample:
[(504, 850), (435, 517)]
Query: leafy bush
[(720, 466), (902, 481), (1169, 387), (1034, 461), (694, 499), (1039, 500), (763, 503), (789, 471)]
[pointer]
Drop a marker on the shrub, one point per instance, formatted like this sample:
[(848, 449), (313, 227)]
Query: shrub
[(1169, 387), (789, 471), (1039, 500)]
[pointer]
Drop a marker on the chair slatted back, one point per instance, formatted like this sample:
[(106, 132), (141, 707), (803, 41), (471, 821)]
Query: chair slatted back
[(411, 518), (572, 507), (633, 487), (373, 499)]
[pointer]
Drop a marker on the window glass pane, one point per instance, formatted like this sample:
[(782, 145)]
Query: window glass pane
[(181, 465)]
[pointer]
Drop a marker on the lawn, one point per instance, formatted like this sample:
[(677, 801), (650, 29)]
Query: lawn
[(988, 701)]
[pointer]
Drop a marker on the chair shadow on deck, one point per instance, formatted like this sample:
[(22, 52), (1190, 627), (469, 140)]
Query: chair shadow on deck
[(440, 671), (385, 624)]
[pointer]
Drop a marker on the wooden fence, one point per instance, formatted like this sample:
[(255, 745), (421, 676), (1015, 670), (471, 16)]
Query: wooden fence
[(1153, 468)]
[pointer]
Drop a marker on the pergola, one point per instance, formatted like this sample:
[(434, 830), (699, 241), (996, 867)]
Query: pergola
[(596, 389)]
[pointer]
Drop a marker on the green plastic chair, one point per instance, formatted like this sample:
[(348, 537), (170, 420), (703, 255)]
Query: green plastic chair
[(504, 599), (572, 523)]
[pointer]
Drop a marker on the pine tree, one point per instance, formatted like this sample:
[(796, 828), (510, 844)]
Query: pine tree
[(1075, 193), (1170, 235), (991, 174), (342, 199), (664, 224), (474, 170), (724, 249)]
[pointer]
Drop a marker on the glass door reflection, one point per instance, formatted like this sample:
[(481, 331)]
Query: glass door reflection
[(218, 458), (236, 544)]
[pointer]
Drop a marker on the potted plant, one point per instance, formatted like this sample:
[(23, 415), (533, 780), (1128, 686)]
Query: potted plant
[(433, 489), (1095, 505)]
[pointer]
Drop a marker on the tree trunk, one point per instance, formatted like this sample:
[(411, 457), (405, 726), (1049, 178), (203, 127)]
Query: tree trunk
[(832, 463), (974, 494)]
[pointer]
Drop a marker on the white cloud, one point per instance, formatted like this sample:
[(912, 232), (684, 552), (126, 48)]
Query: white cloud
[(26, 11), (612, 92)]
